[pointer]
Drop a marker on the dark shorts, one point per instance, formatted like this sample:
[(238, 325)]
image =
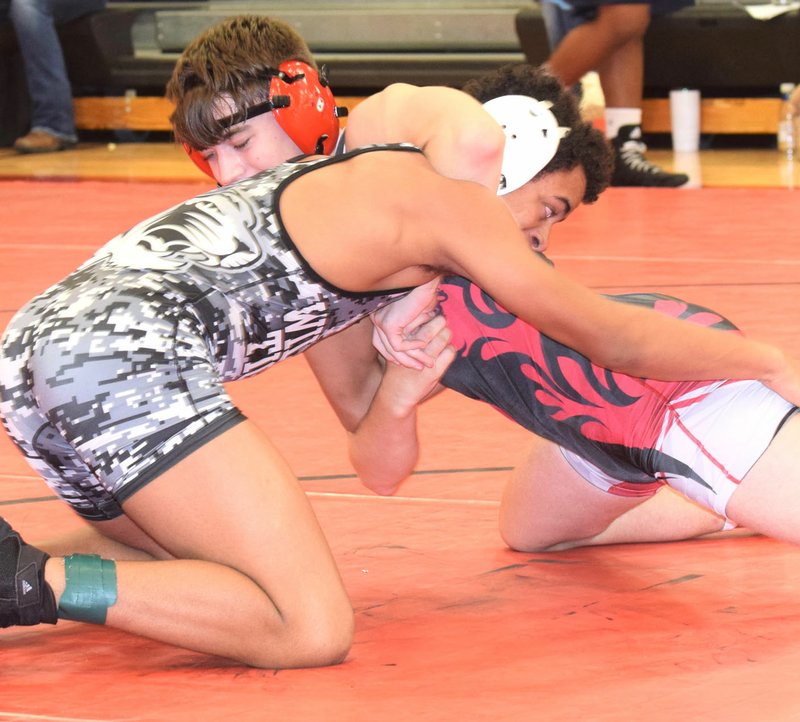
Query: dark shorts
[(561, 16), (587, 9)]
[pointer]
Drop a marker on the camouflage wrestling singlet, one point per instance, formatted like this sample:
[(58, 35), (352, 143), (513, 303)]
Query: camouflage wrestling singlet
[(116, 373)]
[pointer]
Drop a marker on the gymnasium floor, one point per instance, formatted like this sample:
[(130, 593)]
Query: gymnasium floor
[(450, 624)]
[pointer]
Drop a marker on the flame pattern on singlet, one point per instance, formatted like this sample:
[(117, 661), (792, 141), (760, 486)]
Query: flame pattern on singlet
[(611, 419)]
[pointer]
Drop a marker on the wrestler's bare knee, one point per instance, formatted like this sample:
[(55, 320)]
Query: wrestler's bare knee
[(330, 643), (546, 504), (524, 539), (312, 639)]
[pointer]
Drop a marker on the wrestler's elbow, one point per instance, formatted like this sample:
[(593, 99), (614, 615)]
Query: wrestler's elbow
[(378, 473), (381, 484), (382, 468)]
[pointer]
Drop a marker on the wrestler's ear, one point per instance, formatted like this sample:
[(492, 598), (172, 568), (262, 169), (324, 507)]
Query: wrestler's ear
[(304, 107)]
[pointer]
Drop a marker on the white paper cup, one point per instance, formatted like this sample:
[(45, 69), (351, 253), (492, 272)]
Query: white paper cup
[(684, 105), (689, 163)]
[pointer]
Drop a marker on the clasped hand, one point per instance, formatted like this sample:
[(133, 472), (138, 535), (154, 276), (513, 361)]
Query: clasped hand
[(410, 333)]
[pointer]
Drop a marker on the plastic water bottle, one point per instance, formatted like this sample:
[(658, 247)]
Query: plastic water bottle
[(789, 120)]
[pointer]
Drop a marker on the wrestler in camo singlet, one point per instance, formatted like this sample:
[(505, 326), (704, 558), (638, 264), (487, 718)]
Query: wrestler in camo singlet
[(116, 373)]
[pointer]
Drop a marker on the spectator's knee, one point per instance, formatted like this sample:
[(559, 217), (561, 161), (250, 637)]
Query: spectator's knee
[(624, 22)]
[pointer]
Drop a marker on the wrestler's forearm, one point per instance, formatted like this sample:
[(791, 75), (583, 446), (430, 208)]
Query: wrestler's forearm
[(642, 342), (385, 447), (659, 347), (627, 338)]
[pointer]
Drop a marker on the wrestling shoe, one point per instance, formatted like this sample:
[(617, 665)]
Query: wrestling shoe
[(25, 598), (631, 168)]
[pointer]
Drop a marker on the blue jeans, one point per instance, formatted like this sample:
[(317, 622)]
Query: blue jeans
[(558, 21), (50, 92)]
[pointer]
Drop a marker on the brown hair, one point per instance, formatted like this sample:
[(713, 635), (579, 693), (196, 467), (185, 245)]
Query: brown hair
[(231, 61)]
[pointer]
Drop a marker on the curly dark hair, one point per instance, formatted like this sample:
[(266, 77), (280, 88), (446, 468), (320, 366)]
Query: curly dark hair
[(231, 60), (583, 146)]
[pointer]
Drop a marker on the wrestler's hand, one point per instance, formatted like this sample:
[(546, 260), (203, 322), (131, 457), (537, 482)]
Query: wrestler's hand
[(408, 387), (399, 331)]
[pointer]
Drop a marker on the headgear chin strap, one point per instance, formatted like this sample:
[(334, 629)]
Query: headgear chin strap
[(532, 137), (303, 105)]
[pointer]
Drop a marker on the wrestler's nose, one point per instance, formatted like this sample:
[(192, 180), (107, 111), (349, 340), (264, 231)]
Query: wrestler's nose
[(229, 167), (540, 238)]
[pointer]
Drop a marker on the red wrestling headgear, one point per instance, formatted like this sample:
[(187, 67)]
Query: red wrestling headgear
[(303, 106)]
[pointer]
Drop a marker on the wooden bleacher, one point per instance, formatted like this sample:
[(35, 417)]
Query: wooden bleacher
[(747, 116), (120, 59)]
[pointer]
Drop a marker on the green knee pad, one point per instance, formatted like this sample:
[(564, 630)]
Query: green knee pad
[(90, 590)]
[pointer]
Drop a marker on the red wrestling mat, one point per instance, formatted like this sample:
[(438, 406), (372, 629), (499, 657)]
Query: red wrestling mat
[(450, 624)]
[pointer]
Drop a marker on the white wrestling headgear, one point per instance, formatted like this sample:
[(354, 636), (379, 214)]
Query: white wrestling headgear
[(532, 137)]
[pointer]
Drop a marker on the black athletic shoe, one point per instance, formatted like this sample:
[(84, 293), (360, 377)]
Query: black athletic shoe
[(631, 168), (25, 598)]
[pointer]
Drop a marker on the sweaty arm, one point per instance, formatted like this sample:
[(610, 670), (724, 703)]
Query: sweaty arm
[(459, 137)]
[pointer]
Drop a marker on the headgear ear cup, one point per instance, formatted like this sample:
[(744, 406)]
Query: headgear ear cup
[(532, 137), (309, 116), (197, 158)]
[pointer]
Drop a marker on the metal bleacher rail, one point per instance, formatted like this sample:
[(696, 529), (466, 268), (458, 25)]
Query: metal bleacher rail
[(368, 44)]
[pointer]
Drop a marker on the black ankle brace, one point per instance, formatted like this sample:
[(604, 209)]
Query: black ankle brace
[(25, 598)]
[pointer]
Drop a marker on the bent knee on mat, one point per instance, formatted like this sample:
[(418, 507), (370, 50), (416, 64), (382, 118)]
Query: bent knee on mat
[(530, 540), (331, 646), (320, 640)]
